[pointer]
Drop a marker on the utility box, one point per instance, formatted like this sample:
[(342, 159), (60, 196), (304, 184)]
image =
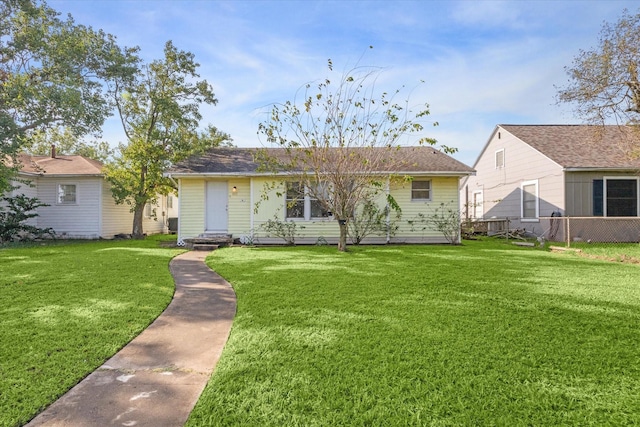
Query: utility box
[(173, 225)]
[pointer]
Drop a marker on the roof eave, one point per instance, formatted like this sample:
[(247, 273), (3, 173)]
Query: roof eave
[(597, 169), (179, 175)]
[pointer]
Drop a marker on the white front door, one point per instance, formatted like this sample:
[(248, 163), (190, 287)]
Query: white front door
[(477, 205), (217, 199)]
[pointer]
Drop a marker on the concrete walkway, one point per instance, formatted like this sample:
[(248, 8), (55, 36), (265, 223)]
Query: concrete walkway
[(158, 377)]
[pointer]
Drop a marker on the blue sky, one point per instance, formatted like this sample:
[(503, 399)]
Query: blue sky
[(482, 62)]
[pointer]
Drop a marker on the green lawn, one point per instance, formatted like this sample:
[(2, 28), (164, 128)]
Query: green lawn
[(479, 334), (67, 307)]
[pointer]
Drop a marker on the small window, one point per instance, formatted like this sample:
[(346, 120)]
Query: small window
[(420, 190), (170, 201), (530, 200), (66, 194), (500, 159), (295, 200), (148, 210)]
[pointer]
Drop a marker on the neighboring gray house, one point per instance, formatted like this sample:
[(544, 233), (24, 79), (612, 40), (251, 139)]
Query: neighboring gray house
[(80, 204), (526, 172)]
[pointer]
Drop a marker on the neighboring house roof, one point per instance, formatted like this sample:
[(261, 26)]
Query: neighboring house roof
[(242, 161), (59, 165), (582, 146)]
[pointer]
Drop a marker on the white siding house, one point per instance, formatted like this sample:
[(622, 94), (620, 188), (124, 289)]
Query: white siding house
[(79, 200)]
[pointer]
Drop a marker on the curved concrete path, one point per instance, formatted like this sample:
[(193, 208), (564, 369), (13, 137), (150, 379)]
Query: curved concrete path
[(157, 378)]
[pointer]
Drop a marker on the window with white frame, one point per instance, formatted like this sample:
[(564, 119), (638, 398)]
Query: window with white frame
[(615, 196), (67, 194), (420, 190), (530, 203), (500, 158), (302, 202)]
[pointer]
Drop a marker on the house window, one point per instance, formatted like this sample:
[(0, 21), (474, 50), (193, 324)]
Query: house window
[(500, 159), (67, 194), (302, 202), (169, 201), (615, 196), (530, 204), (421, 190), (295, 200)]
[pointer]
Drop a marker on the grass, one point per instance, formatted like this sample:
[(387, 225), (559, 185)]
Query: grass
[(618, 252), (480, 334), (67, 307)]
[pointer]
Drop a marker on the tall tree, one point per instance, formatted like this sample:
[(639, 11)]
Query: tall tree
[(41, 142), (160, 114), (339, 139), (604, 87), (52, 72)]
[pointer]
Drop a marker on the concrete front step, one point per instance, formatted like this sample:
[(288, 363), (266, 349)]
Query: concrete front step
[(204, 247), (208, 241)]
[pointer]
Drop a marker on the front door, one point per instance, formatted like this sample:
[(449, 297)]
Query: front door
[(217, 198)]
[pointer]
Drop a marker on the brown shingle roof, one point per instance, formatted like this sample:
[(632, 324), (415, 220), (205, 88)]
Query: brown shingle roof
[(582, 146), (59, 165), (242, 161)]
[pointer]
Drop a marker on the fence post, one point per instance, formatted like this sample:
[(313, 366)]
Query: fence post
[(568, 233)]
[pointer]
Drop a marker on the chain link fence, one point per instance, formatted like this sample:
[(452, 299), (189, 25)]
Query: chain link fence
[(567, 230), (591, 229)]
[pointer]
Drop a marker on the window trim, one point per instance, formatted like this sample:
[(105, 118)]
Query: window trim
[(430, 189), (58, 194), (621, 178), (537, 201), (306, 205), (499, 166)]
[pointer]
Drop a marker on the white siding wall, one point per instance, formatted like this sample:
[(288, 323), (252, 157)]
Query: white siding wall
[(116, 219), (79, 220), (501, 187)]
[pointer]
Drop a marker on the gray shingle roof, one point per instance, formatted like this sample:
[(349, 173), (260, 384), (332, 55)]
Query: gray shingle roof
[(582, 146), (242, 161)]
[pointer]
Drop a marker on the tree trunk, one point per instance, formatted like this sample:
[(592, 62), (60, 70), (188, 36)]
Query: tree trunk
[(137, 232), (342, 243)]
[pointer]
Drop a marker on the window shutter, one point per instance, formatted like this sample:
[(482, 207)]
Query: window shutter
[(598, 191)]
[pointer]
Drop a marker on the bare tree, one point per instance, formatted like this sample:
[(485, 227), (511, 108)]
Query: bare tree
[(342, 142), (603, 82)]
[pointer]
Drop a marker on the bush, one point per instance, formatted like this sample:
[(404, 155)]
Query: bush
[(13, 226), (371, 219), (286, 230)]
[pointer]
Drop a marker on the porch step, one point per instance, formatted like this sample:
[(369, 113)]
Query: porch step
[(204, 247), (208, 241)]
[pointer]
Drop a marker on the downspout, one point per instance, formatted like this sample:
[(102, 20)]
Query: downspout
[(388, 210), (251, 210)]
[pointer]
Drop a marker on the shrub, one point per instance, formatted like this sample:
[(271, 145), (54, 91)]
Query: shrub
[(13, 219)]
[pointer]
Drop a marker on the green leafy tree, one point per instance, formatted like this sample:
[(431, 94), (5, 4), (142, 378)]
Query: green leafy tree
[(41, 142), (52, 72), (338, 138), (160, 114)]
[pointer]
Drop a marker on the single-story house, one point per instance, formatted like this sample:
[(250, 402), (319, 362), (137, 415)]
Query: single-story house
[(80, 204), (225, 191), (529, 172)]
